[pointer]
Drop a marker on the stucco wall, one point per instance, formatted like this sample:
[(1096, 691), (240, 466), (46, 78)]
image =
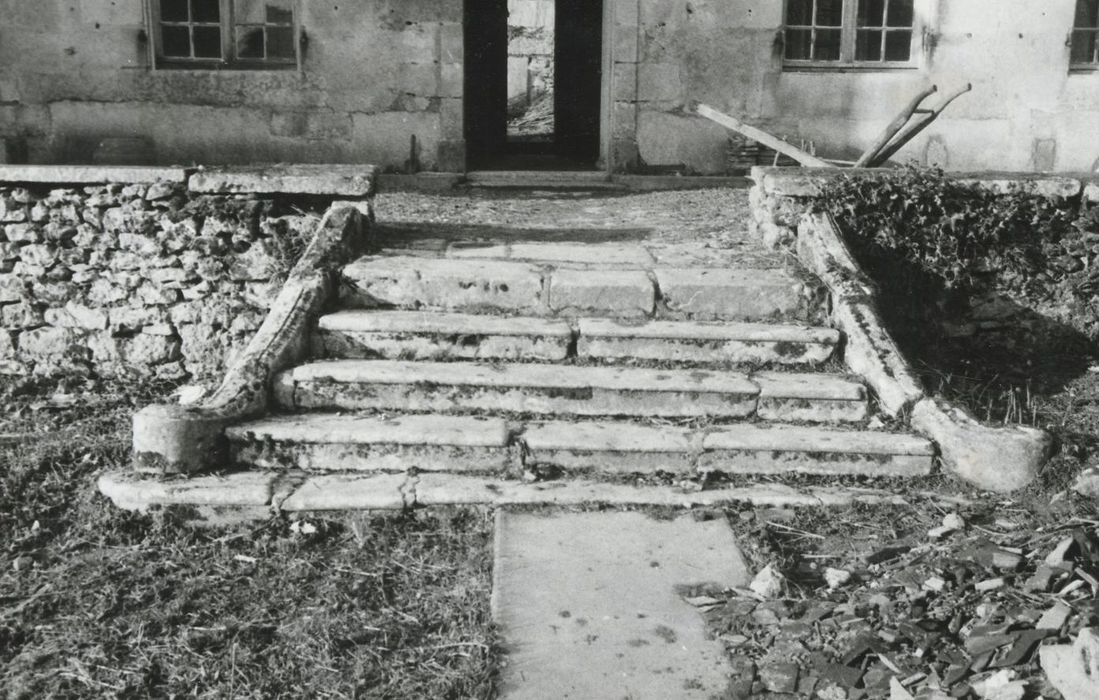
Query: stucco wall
[(1026, 111), (376, 73)]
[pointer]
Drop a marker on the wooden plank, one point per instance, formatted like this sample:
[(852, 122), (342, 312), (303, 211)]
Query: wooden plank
[(806, 159), (894, 126), (912, 130)]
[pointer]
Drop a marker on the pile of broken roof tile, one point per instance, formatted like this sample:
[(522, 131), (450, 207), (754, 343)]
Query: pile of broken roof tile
[(968, 613)]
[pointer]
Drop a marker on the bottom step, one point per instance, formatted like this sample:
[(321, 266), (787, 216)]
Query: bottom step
[(326, 442), (253, 495)]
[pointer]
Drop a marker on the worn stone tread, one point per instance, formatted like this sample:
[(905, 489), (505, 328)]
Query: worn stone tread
[(613, 292), (705, 342), (583, 253), (797, 438), (349, 492), (390, 321), (132, 492), (523, 376), (731, 294), (698, 330), (461, 431), (425, 335), (808, 385), (609, 446), (415, 282)]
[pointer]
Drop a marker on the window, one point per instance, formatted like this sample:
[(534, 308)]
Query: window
[(1085, 35), (864, 33), (226, 33)]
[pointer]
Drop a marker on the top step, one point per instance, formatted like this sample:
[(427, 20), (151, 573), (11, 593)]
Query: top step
[(551, 288)]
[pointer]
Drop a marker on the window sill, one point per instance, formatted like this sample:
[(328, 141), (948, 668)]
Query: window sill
[(218, 67), (848, 67), (1084, 69)]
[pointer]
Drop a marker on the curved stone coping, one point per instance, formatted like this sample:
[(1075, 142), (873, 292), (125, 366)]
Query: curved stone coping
[(358, 181), (90, 174), (172, 439), (800, 182), (993, 458)]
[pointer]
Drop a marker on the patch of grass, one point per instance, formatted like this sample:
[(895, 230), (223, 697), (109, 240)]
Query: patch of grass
[(98, 602)]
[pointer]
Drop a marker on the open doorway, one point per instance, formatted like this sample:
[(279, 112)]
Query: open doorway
[(533, 83)]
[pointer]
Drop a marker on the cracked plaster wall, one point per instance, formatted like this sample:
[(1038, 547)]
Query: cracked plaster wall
[(376, 73)]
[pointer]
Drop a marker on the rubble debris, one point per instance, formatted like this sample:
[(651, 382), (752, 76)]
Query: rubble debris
[(975, 615)]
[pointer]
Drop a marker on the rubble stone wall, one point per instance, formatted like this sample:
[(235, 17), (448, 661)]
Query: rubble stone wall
[(149, 279)]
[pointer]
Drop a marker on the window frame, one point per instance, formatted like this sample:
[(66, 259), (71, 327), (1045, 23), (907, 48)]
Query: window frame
[(228, 60), (849, 41), (1092, 65)]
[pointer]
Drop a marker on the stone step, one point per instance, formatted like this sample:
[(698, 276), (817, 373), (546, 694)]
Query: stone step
[(432, 442), (735, 449), (559, 287), (688, 341), (425, 335), (326, 442), (572, 390)]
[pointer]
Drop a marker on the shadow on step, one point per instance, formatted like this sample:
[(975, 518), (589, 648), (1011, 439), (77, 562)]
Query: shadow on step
[(412, 235)]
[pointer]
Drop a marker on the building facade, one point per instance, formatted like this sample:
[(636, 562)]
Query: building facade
[(425, 84)]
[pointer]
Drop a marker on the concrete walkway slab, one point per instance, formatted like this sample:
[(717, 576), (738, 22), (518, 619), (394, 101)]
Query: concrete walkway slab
[(590, 607)]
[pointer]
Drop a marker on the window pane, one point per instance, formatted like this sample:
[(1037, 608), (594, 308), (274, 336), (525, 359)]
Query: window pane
[(1087, 13), (799, 12), (206, 11), (871, 13), (207, 42), (177, 42), (799, 43), (250, 42), (900, 13), (1083, 46), (279, 13), (868, 46), (173, 10), (898, 46), (827, 45), (280, 43), (829, 13)]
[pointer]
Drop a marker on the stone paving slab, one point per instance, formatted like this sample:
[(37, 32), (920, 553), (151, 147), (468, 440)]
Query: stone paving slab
[(326, 442), (609, 447), (416, 282), (731, 294), (750, 449), (624, 254), (590, 605), (342, 492), (612, 292), (425, 335), (519, 388), (132, 492), (692, 341), (462, 431)]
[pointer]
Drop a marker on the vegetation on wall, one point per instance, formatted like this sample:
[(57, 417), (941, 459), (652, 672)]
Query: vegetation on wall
[(993, 295)]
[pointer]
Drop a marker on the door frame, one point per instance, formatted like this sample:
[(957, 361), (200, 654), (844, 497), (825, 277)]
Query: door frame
[(605, 158)]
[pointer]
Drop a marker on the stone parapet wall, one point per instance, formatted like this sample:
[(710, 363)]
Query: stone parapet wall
[(132, 273)]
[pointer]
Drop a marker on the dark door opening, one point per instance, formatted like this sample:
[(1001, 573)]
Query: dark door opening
[(533, 82)]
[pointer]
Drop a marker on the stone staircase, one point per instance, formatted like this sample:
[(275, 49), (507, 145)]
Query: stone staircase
[(514, 354)]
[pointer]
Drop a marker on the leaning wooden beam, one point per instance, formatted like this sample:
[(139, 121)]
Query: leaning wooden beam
[(894, 126), (913, 129), (806, 159)]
